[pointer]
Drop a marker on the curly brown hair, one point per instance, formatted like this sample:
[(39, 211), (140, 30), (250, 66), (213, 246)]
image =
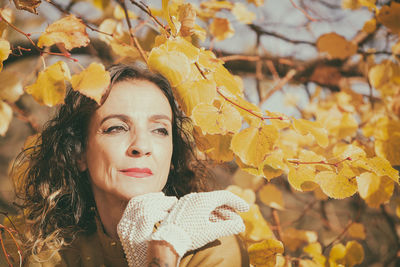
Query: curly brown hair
[(56, 196)]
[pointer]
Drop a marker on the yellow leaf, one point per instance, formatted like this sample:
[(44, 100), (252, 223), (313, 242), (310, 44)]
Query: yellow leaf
[(315, 251), (337, 254), (356, 230), (294, 238), (338, 123), (216, 146), (251, 145), (199, 32), (382, 129), (243, 15), (182, 45), (192, 93), (6, 115), (390, 16), (318, 161), (69, 30), (389, 149), (246, 180), (92, 82), (314, 128), (369, 26), (212, 120), (275, 160), (380, 74), (250, 112), (110, 26), (7, 14), (11, 86), (269, 173), (124, 50), (398, 210), (169, 17), (279, 120), (264, 253), (174, 65), (246, 194), (256, 2), (221, 29), (354, 253), (50, 86), (378, 165), (336, 46), (119, 12), (4, 51), (216, 5), (336, 185), (256, 227), (187, 17), (374, 189), (208, 62), (271, 196), (343, 151), (302, 177), (28, 5), (249, 169)]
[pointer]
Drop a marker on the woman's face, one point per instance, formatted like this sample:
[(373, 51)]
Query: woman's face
[(129, 144)]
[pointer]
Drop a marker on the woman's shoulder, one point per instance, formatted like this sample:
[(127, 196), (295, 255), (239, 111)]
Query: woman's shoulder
[(225, 251)]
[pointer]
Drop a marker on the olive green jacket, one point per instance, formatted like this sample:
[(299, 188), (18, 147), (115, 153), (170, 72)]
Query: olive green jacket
[(98, 249)]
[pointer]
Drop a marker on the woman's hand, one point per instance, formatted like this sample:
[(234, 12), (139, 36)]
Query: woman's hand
[(137, 224), (200, 218)]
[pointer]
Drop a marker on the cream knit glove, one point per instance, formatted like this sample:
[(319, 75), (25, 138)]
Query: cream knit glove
[(137, 224), (200, 218)]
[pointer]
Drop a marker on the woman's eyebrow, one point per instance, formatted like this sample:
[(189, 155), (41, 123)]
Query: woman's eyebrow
[(160, 117), (122, 117)]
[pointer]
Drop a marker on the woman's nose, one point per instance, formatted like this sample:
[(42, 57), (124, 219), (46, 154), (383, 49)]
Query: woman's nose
[(140, 145)]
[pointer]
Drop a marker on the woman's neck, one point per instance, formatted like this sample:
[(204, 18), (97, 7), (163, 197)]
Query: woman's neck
[(110, 210)]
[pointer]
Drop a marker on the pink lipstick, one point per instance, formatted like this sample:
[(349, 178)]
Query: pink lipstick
[(137, 172)]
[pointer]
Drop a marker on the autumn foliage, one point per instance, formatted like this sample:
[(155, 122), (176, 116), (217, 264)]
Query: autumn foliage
[(343, 145)]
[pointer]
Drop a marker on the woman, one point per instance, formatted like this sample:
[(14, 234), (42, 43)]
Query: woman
[(112, 185)]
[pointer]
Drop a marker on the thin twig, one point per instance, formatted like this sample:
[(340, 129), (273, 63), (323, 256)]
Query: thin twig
[(338, 237), (239, 57), (335, 164), (302, 11), (65, 11), (289, 75), (272, 69), (261, 31), (277, 224), (246, 109), (134, 40), (147, 10)]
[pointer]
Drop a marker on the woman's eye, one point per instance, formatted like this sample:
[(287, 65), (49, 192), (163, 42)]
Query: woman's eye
[(115, 129), (162, 131)]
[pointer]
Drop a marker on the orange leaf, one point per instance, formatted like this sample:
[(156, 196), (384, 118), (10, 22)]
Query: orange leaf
[(221, 29), (336, 46), (28, 5)]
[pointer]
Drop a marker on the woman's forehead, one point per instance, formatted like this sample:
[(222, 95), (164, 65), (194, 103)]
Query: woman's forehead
[(136, 96)]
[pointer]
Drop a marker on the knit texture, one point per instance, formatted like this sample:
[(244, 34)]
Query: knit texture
[(137, 224), (200, 218)]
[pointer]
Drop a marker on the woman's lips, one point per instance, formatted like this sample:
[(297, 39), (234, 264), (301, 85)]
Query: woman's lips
[(137, 172)]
